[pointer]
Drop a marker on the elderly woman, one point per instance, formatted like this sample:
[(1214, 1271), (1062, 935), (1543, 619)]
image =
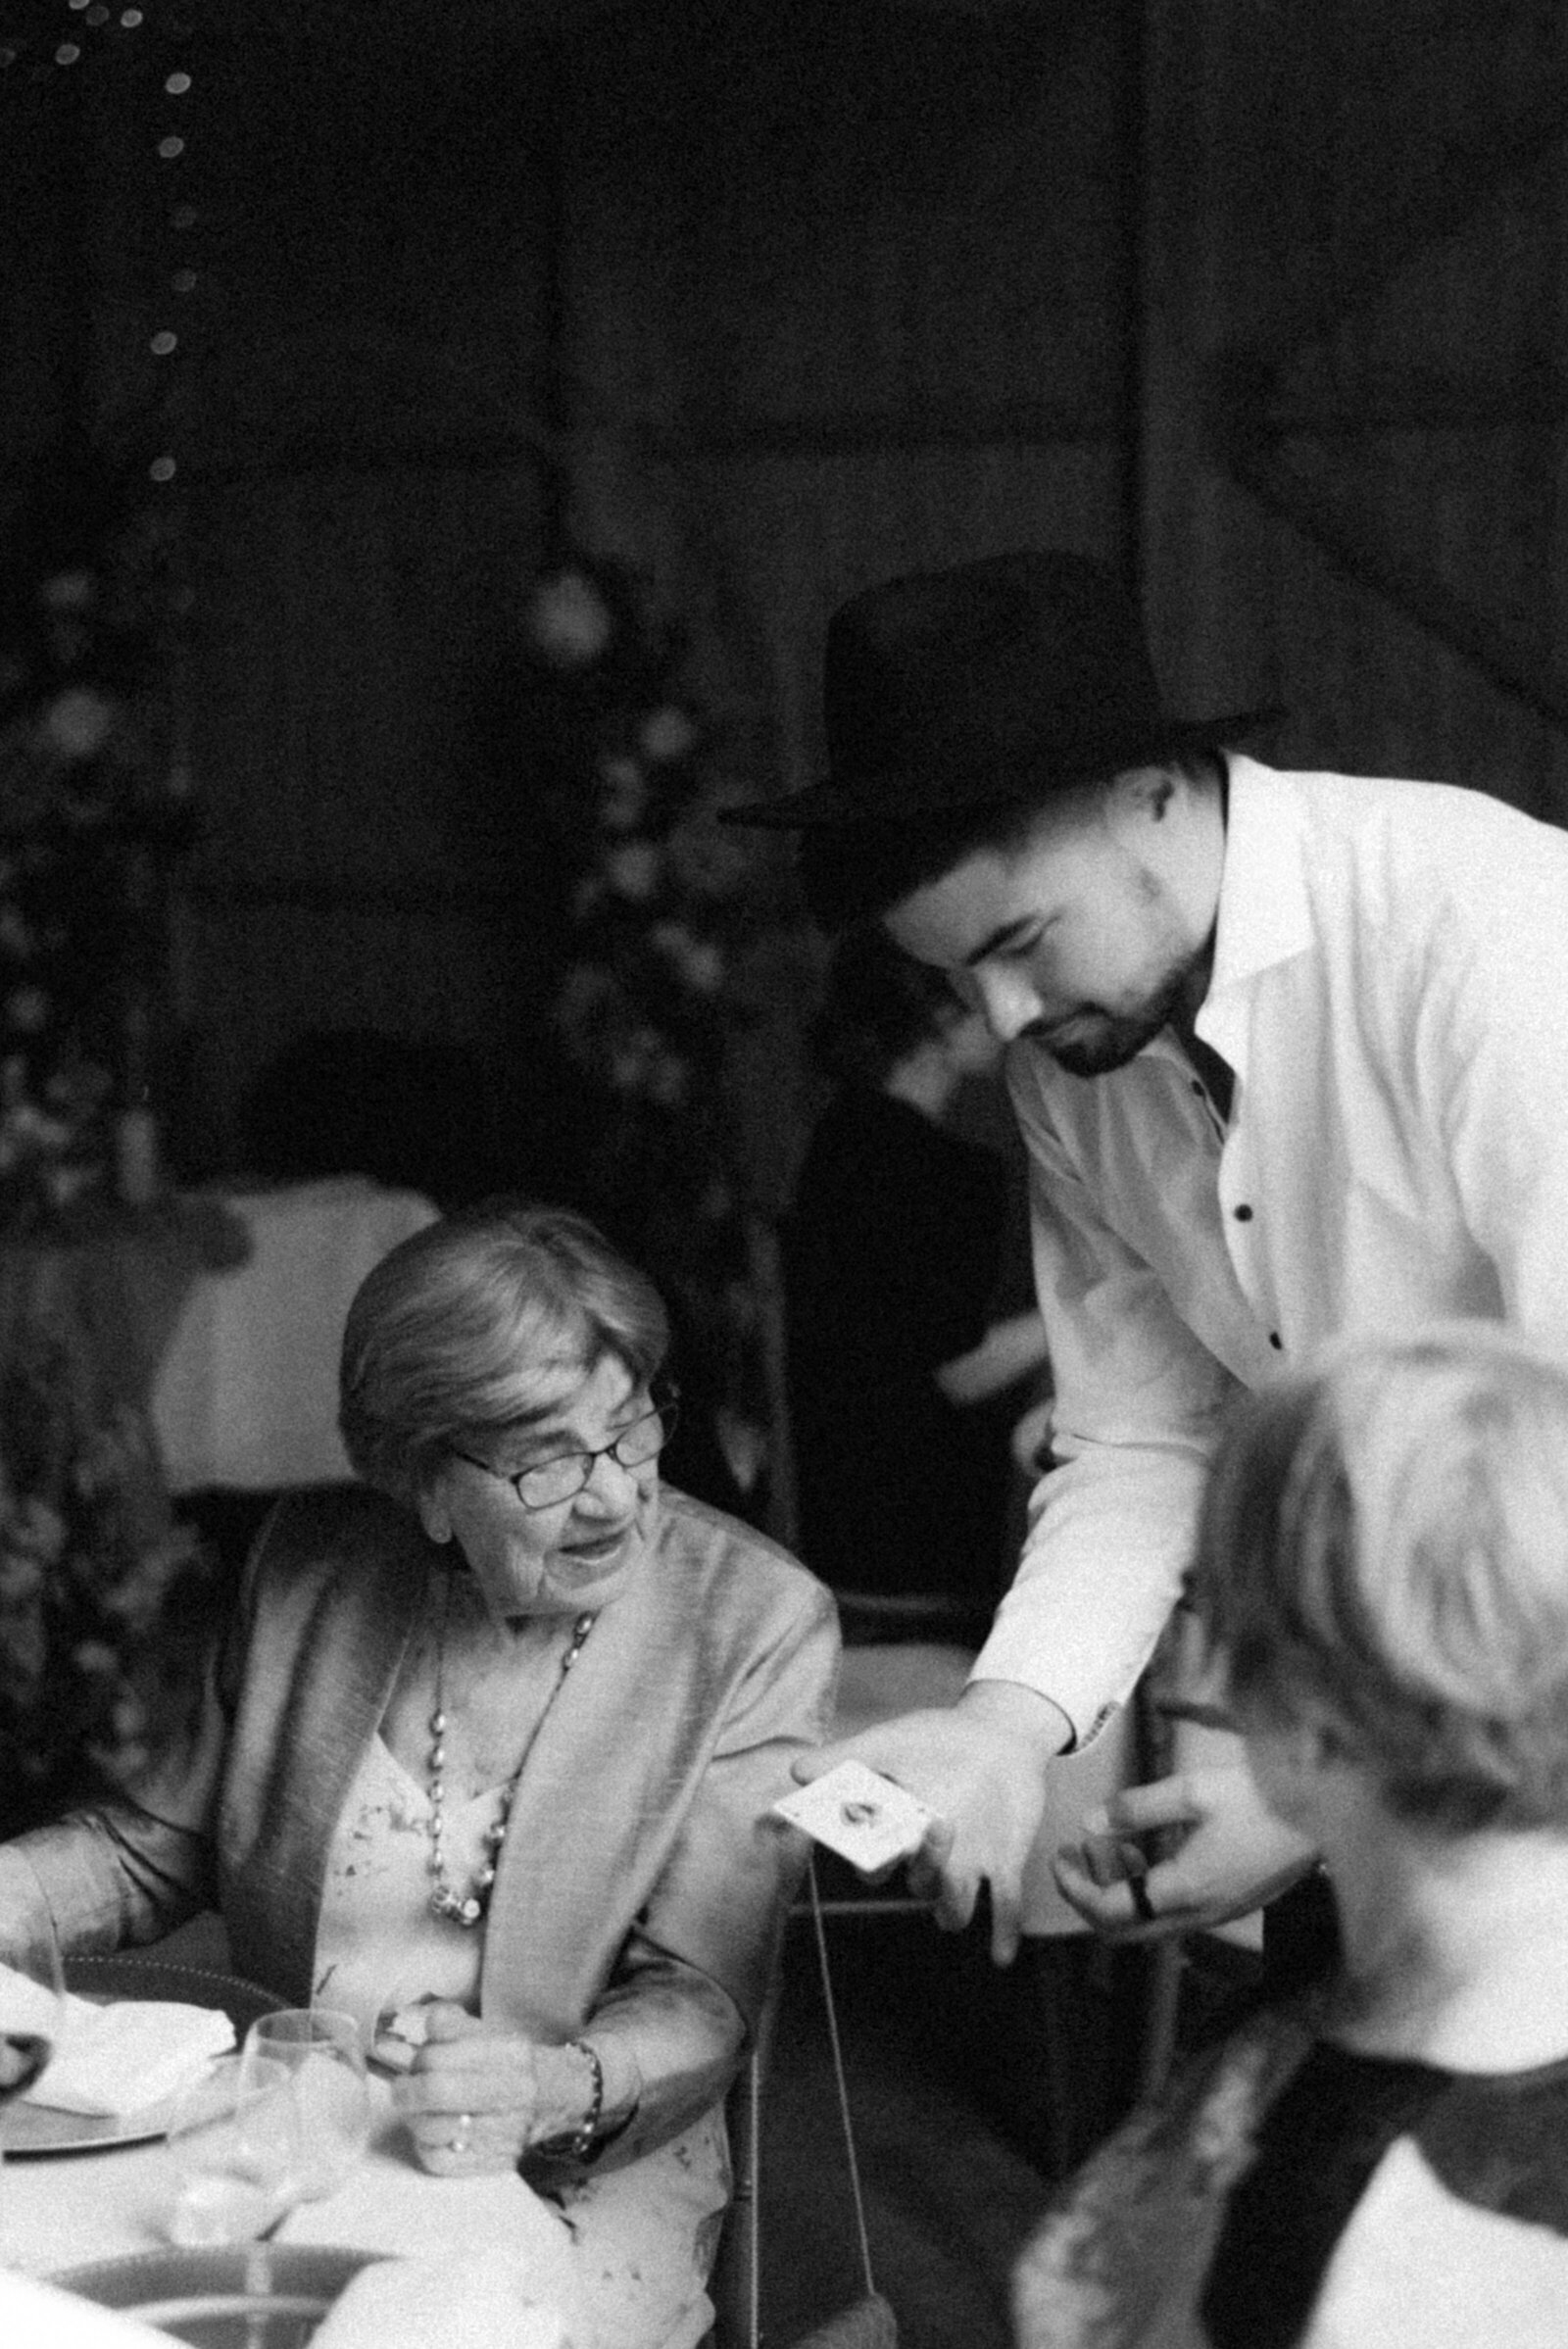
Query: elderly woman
[(1382, 2164), (486, 1755)]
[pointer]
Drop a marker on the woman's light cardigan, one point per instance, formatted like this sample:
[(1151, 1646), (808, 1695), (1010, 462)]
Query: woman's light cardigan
[(641, 1889)]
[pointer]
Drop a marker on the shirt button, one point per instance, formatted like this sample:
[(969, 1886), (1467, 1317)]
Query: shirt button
[(1244, 1214), (1276, 1341)]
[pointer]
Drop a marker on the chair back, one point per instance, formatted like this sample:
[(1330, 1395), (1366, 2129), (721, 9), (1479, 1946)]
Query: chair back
[(735, 2287)]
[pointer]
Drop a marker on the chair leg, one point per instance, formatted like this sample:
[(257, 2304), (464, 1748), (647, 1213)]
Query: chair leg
[(1165, 1962), (1051, 2044), (735, 2287)]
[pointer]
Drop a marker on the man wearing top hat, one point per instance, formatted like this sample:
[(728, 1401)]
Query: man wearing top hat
[(1290, 1056)]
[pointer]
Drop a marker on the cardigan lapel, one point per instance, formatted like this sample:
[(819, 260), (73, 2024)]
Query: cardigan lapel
[(328, 1649), (617, 1749)]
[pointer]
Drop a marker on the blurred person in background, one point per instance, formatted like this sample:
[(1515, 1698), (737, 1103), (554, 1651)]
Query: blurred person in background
[(904, 1381)]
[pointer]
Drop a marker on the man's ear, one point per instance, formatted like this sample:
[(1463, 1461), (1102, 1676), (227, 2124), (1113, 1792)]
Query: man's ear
[(1142, 794)]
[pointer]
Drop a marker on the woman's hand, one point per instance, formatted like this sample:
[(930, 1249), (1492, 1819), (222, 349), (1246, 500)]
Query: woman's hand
[(1232, 1856), (478, 2098)]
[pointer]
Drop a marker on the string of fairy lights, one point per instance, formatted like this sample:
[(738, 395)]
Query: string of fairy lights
[(114, 89), (81, 36)]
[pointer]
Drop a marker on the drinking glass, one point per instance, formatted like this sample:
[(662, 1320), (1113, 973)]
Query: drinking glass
[(237, 2144), (320, 2049)]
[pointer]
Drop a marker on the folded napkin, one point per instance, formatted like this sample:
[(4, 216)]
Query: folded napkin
[(114, 2059), (387, 2203), (467, 2300)]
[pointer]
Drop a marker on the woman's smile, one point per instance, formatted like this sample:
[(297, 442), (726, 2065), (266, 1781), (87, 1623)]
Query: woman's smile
[(596, 1550)]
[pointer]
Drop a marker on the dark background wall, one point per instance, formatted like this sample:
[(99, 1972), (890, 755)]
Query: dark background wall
[(1266, 303)]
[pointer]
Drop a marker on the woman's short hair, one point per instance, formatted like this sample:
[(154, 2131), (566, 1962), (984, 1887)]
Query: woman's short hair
[(1384, 1551), (445, 1338)]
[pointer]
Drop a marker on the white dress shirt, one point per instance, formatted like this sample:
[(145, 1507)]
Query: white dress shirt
[(1391, 988)]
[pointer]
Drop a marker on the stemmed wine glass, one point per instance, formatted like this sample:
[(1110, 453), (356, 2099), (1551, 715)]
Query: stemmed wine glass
[(321, 2049), (237, 2144)]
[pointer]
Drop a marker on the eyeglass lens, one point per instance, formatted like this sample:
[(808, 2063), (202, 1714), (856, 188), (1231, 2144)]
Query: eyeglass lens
[(554, 1480)]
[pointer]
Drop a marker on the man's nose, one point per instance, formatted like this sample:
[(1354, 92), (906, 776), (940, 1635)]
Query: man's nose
[(1009, 1000)]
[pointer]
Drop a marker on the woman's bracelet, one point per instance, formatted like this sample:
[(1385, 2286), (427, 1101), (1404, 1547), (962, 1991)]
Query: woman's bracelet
[(583, 2136)]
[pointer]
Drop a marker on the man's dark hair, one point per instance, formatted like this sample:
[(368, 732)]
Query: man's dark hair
[(853, 873)]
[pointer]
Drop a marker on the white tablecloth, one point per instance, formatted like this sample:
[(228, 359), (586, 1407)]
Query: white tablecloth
[(63, 2211), (246, 1394)]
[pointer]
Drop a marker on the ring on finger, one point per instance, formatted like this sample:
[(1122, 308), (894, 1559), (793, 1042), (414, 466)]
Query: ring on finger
[(459, 2143), (1138, 1887)]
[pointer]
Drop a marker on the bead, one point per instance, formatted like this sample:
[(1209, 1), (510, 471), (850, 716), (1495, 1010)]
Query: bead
[(466, 1909)]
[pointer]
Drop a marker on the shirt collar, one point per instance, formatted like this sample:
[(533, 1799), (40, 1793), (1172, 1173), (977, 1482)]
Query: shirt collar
[(1265, 915)]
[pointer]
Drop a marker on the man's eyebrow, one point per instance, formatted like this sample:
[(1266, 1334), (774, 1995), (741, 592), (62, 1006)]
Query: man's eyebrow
[(1004, 934)]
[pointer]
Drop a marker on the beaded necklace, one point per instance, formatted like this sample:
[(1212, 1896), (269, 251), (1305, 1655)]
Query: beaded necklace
[(467, 1908)]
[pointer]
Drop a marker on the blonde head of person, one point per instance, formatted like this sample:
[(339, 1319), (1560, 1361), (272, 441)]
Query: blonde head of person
[(1382, 1571)]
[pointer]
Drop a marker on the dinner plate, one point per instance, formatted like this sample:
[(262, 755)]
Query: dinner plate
[(233, 2296), (30, 2128)]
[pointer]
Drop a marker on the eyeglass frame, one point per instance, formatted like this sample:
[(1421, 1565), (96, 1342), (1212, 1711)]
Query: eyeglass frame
[(665, 1408)]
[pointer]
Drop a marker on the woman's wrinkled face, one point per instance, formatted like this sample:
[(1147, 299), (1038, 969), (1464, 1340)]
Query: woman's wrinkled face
[(574, 1553)]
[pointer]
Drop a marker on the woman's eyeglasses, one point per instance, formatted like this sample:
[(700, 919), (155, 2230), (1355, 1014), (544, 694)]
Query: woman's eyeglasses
[(563, 1478)]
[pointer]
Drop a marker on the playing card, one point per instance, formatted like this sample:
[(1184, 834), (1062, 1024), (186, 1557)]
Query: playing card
[(857, 1812)]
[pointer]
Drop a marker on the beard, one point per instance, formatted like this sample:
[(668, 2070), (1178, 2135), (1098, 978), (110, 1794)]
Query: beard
[(1094, 1040)]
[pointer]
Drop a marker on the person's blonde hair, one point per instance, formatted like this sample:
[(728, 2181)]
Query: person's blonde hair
[(1384, 1550), (445, 1336)]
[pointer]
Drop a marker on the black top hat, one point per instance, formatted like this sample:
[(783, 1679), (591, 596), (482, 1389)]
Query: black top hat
[(976, 685)]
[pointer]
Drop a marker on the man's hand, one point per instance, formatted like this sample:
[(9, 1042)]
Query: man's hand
[(1233, 1856), (978, 1767)]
